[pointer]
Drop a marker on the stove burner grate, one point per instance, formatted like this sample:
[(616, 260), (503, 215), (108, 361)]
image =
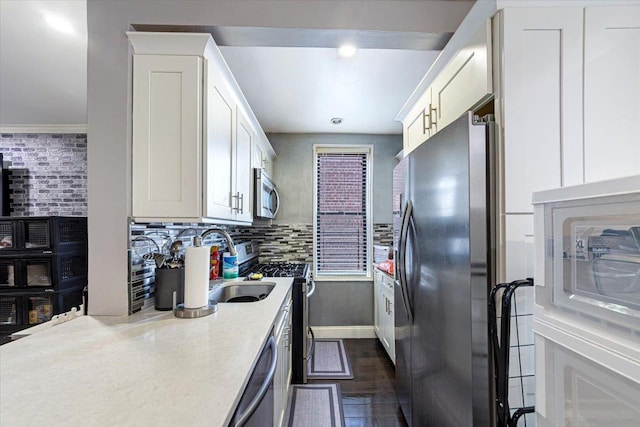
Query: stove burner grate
[(280, 269)]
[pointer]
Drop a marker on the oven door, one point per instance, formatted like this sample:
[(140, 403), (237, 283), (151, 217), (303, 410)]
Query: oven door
[(267, 198)]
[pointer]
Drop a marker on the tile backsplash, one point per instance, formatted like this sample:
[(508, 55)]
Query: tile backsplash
[(277, 243), (48, 173)]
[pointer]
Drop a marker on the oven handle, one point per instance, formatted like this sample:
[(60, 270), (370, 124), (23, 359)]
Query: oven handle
[(313, 288), (242, 419), (313, 344)]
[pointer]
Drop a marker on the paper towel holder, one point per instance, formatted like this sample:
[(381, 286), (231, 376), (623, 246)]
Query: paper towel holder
[(191, 313)]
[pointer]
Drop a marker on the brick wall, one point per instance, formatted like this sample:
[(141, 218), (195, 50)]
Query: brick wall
[(48, 173)]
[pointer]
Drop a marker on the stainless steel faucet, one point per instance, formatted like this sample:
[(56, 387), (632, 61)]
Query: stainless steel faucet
[(197, 241)]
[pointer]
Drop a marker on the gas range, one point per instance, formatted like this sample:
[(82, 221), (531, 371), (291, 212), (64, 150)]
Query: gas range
[(281, 269), (301, 290)]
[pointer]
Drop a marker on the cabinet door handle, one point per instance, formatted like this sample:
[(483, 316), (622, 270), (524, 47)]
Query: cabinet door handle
[(239, 204), (234, 197), (425, 128), (433, 116)]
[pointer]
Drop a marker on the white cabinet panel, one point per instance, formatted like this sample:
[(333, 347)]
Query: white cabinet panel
[(611, 92), (415, 126), (193, 133), (384, 320), (465, 82), (167, 111), (377, 303), (519, 247), (243, 171), (389, 324), (416, 131), (282, 377), (542, 85), (220, 144)]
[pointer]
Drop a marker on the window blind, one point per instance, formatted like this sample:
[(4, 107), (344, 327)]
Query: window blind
[(341, 214)]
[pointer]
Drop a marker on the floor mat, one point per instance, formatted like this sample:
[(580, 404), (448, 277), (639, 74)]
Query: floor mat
[(318, 405), (330, 361)]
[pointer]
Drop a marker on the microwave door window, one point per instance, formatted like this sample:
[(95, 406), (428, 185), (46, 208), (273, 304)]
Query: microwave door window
[(602, 264)]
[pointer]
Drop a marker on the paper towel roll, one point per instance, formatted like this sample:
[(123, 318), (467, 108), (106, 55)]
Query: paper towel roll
[(196, 276)]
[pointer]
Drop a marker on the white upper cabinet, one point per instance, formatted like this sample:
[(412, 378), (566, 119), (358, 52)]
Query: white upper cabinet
[(416, 126), (167, 155), (220, 142), (464, 83), (244, 172), (541, 91), (611, 92), (570, 98), (193, 133), (263, 156)]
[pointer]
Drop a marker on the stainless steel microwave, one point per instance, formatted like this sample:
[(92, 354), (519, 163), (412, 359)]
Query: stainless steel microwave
[(267, 198)]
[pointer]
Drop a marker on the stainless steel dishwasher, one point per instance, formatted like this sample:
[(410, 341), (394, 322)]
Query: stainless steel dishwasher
[(256, 404)]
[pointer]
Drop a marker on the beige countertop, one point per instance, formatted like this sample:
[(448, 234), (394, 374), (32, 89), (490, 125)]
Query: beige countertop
[(147, 369)]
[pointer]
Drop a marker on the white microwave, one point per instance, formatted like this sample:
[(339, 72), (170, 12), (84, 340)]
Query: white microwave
[(588, 259), (267, 200)]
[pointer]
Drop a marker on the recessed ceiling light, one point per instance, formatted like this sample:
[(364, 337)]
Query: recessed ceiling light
[(336, 120), (347, 51), (57, 22)]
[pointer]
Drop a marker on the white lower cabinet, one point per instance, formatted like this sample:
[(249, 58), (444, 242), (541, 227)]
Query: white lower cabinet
[(282, 378), (384, 321)]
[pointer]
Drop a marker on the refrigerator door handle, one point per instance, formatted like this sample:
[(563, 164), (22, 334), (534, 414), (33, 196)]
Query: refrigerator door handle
[(402, 251)]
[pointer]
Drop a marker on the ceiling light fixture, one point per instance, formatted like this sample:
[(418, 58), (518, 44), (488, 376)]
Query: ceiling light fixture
[(336, 120), (58, 23), (347, 51)]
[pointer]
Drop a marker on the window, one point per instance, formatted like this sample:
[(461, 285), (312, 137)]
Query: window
[(342, 211)]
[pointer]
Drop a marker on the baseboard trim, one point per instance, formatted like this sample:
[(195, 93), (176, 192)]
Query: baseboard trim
[(343, 332)]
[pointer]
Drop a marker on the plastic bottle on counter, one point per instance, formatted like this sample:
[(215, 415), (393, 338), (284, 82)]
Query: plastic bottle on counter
[(229, 266), (214, 267)]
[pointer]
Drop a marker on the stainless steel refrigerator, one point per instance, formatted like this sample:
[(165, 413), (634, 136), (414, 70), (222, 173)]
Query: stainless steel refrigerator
[(444, 228)]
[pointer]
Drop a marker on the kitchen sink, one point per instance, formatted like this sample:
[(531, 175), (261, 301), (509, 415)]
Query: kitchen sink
[(244, 292)]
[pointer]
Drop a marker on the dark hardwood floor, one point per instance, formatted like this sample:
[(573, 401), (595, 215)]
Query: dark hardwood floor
[(369, 399)]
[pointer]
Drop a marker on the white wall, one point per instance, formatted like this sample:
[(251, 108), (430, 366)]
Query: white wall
[(294, 172)]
